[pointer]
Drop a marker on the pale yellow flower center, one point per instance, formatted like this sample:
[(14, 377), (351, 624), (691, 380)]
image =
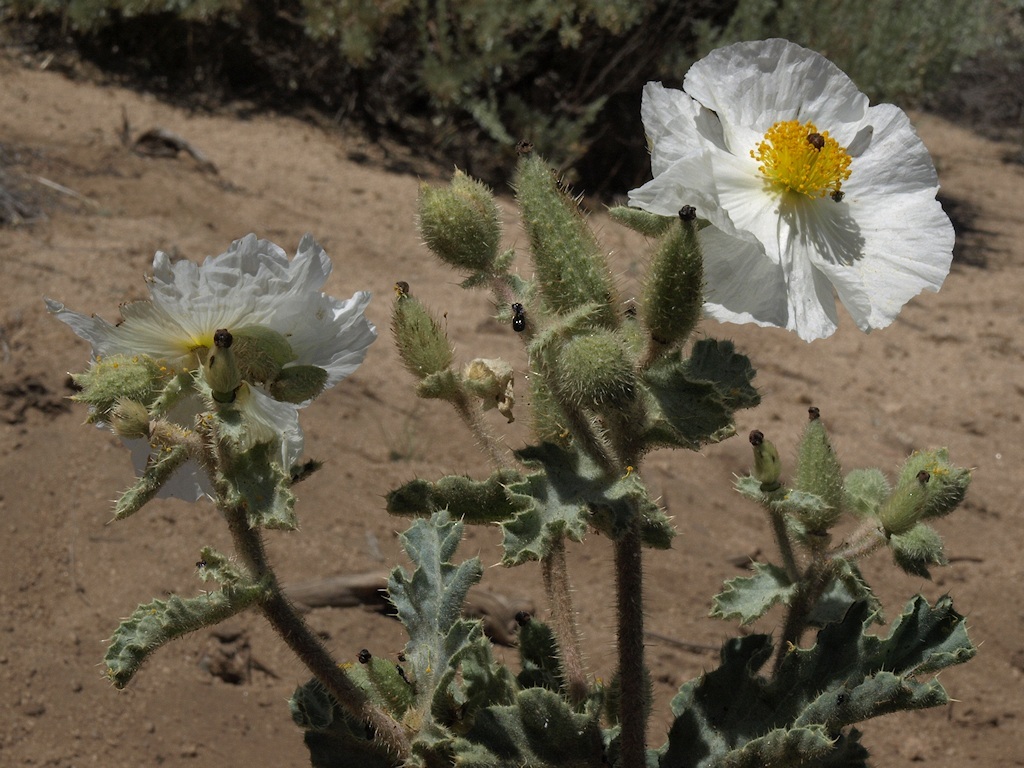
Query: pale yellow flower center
[(800, 158)]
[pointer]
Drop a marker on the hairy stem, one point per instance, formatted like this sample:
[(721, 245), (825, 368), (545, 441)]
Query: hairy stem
[(563, 620), (296, 633), (632, 673), (862, 542), (471, 415), (810, 587), (784, 543)]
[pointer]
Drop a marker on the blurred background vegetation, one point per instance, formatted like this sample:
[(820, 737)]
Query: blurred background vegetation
[(462, 81)]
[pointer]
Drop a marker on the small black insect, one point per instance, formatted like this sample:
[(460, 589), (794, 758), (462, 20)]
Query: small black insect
[(201, 564), (838, 195), (518, 318), (364, 656), (816, 140)]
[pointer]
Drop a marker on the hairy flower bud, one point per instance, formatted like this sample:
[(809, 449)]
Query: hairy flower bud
[(906, 505), (818, 472), (298, 383), (767, 464), (129, 419), (594, 370), (109, 379), (570, 267), (917, 548), (460, 223), (647, 224), (674, 292), (947, 484), (422, 343)]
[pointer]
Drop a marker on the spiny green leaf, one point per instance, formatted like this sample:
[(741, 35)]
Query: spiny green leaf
[(262, 487), (158, 471), (748, 598), (156, 623)]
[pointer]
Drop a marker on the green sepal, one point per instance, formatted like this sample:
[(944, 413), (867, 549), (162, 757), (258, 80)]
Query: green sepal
[(673, 294), (298, 383), (647, 224), (472, 501), (694, 399), (846, 677), (748, 598), (158, 471), (260, 352), (157, 623), (255, 481), (916, 549), (569, 264), (808, 508)]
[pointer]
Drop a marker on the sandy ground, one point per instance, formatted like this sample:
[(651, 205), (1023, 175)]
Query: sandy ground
[(948, 372)]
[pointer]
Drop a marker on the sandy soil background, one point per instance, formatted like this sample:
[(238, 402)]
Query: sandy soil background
[(948, 372)]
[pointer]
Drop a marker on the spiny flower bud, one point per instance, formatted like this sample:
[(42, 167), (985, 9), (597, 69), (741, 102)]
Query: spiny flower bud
[(595, 371), (460, 223), (818, 472), (112, 378), (491, 381), (422, 344), (918, 548), (674, 291), (947, 484), (571, 269), (647, 224), (129, 419), (906, 505), (221, 368), (767, 464)]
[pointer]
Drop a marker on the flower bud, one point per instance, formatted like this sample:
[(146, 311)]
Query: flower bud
[(818, 472), (647, 224), (491, 381), (570, 267), (767, 464), (221, 368), (906, 505), (918, 548), (947, 484), (673, 295), (595, 371), (109, 379), (422, 344), (460, 223), (129, 419)]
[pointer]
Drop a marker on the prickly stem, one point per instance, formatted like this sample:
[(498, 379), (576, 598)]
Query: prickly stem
[(563, 621), (632, 675)]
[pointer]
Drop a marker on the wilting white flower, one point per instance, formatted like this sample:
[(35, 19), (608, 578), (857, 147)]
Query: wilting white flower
[(808, 188), (252, 284)]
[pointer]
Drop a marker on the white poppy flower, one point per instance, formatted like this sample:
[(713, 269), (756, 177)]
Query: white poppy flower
[(252, 284), (808, 188)]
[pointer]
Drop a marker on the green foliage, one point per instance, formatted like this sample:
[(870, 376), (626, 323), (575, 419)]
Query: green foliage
[(145, 488), (732, 716), (255, 481), (422, 343)]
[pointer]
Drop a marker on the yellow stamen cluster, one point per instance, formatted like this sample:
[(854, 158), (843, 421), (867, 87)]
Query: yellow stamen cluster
[(797, 157)]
